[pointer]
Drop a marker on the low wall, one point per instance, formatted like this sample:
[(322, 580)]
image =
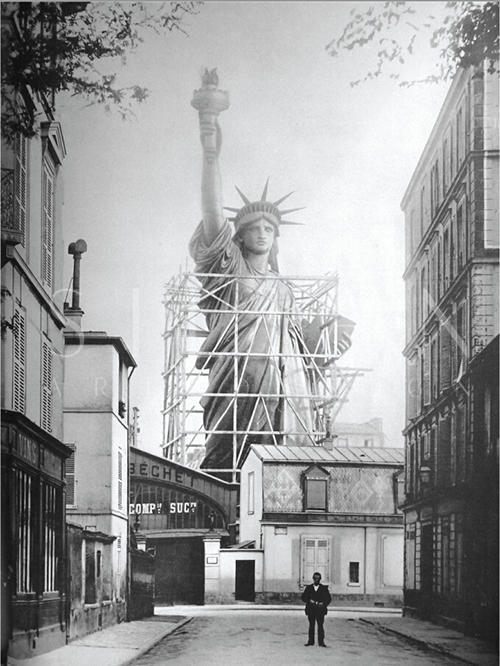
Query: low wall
[(142, 585)]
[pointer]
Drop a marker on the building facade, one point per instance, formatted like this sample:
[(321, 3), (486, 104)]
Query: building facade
[(32, 322), (306, 509), (368, 434), (96, 383), (452, 241), (172, 509)]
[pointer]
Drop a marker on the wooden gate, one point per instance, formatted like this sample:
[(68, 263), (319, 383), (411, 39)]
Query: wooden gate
[(179, 569)]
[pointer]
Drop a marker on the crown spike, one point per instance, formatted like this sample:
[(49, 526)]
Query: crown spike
[(291, 210), (234, 210), (245, 200), (277, 203), (264, 193), (295, 224)]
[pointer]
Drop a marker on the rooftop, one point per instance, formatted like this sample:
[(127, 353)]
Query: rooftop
[(318, 454)]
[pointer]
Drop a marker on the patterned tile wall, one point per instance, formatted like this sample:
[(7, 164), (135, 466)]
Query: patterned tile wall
[(351, 489)]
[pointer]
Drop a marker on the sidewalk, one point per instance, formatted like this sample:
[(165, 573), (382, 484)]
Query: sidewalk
[(122, 643), (439, 639), (114, 646)]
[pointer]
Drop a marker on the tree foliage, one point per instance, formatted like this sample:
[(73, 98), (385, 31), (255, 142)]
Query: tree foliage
[(466, 33), (48, 48)]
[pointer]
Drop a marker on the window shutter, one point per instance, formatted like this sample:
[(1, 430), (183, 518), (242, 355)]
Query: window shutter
[(70, 477), (21, 184), (443, 452), (445, 354), (315, 557), (48, 226), (412, 388), (19, 392), (427, 374), (46, 387)]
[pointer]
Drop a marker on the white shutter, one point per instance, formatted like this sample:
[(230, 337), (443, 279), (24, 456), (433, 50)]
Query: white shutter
[(47, 225), (19, 380), (70, 477), (21, 185), (315, 557), (46, 407)]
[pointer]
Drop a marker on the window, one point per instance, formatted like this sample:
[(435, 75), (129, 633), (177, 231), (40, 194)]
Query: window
[(354, 572), (70, 478), (446, 166), (446, 258), (439, 270), (251, 492), (19, 374), (25, 541), (433, 278), (426, 377), (315, 557), (368, 443), (46, 407), (48, 224), (315, 487), (423, 293), (412, 386), (120, 480), (460, 138), (423, 212), (90, 587), (434, 188), (51, 537), (315, 494), (21, 185), (98, 563), (460, 441), (453, 248), (342, 441), (461, 339), (410, 557), (445, 354), (460, 240), (434, 368)]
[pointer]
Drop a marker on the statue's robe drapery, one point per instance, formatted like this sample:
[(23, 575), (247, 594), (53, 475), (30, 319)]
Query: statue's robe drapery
[(249, 315)]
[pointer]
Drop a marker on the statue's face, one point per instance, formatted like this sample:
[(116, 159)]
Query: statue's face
[(258, 236)]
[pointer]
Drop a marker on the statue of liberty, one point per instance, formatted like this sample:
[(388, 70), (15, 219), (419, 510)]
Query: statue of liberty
[(259, 377)]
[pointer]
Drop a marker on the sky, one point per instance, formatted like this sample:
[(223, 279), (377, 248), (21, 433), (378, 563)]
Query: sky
[(132, 188)]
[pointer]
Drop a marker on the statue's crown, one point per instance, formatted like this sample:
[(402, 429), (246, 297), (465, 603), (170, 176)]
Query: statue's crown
[(246, 214)]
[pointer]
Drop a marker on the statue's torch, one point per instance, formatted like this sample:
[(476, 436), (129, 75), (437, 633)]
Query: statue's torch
[(209, 101)]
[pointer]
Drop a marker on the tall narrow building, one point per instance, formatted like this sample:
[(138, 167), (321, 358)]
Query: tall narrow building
[(452, 241)]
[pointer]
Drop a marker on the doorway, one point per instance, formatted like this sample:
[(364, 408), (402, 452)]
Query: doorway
[(245, 580), (179, 570)]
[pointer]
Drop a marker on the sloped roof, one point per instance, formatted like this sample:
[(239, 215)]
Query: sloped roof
[(318, 454)]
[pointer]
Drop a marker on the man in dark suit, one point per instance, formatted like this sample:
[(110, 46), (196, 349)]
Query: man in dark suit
[(316, 598)]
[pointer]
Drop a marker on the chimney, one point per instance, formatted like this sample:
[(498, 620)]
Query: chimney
[(74, 313)]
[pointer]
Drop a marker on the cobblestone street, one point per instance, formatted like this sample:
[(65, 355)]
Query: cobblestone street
[(278, 637)]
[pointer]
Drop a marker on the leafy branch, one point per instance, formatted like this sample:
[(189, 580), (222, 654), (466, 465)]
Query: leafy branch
[(54, 47), (466, 35)]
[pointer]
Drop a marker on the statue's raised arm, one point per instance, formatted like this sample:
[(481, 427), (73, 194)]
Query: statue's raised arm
[(210, 101)]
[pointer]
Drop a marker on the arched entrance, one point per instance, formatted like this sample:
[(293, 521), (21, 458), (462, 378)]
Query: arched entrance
[(172, 507)]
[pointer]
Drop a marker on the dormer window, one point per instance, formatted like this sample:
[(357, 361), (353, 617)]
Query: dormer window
[(315, 487)]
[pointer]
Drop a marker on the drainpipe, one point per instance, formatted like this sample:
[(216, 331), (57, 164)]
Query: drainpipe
[(364, 561)]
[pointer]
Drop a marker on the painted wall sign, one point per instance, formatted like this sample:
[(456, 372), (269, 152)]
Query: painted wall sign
[(163, 472), (149, 508)]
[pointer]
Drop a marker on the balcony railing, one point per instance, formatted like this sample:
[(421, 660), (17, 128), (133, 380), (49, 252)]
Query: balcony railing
[(11, 232)]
